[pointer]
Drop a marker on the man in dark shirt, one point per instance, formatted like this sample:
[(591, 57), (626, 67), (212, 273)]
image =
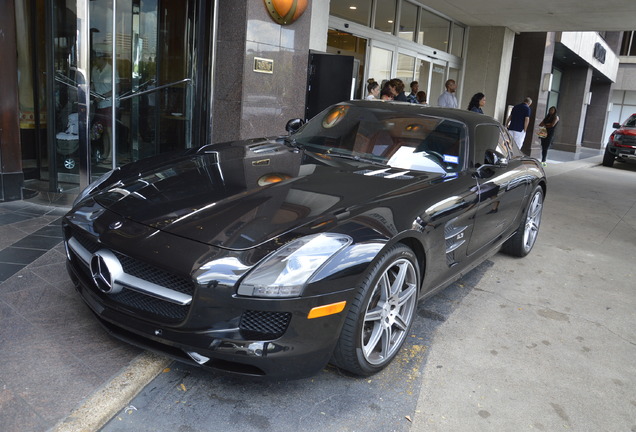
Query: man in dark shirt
[(518, 121)]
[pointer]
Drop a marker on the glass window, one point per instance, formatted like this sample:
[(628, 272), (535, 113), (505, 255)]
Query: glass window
[(400, 140), (457, 46), (556, 79), (422, 74), (385, 16), (380, 62), (490, 137), (438, 77), (434, 31), (358, 11), (405, 69), (617, 97), (408, 21), (628, 46), (630, 97)]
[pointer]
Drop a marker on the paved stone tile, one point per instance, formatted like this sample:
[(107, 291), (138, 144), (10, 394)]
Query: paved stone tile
[(8, 270), (13, 255)]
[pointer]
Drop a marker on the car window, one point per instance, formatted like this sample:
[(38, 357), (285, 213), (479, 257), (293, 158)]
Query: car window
[(505, 142), (490, 137), (402, 140), (631, 122)]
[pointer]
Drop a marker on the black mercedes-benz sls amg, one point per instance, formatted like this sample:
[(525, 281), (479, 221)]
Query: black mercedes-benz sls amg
[(275, 256)]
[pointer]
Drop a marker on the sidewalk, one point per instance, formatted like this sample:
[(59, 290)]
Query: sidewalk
[(59, 366), (53, 352)]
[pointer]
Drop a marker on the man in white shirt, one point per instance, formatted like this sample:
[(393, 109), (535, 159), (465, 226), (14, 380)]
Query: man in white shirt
[(448, 99)]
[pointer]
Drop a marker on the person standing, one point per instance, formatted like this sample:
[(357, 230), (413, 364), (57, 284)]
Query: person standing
[(412, 97), (386, 94), (518, 121), (399, 89), (448, 99), (549, 123), (373, 89), (477, 103), (421, 98)]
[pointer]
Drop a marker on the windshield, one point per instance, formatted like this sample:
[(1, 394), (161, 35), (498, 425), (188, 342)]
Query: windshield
[(631, 122), (384, 135)]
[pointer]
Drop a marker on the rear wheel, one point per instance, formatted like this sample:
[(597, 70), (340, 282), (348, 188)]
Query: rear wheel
[(522, 242), (381, 314), (608, 158)]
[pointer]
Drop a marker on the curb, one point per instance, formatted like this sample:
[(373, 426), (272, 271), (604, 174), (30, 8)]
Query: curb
[(106, 402)]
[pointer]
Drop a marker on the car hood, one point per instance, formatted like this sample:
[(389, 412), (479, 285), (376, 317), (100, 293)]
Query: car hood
[(240, 195), (626, 130)]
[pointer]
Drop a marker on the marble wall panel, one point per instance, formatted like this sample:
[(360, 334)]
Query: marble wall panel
[(260, 104)]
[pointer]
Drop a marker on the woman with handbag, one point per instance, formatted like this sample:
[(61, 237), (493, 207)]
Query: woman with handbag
[(549, 123)]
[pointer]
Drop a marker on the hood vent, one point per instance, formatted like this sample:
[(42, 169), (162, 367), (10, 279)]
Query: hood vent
[(268, 147)]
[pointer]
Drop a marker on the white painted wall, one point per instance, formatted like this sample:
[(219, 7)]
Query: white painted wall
[(582, 44)]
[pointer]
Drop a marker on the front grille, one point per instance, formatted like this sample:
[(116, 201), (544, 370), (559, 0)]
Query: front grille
[(629, 140), (130, 300), (261, 325)]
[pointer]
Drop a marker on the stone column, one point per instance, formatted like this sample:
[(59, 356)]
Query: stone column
[(487, 67), (11, 176), (596, 116), (532, 59), (249, 103), (575, 85)]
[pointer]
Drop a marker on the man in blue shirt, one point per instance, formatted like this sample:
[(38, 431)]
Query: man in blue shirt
[(518, 121), (412, 97)]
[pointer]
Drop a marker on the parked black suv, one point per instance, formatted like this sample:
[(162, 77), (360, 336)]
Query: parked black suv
[(622, 143)]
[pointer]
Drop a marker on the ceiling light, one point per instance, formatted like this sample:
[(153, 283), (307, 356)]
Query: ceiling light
[(353, 7)]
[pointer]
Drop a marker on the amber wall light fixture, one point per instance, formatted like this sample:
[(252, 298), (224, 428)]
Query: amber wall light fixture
[(285, 12)]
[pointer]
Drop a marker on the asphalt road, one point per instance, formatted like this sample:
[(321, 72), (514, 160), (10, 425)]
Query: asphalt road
[(544, 343)]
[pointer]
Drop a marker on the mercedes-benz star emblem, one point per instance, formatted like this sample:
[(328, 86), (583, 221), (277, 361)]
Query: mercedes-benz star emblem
[(105, 270)]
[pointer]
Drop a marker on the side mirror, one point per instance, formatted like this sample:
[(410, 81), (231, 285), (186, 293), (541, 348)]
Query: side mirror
[(616, 125), (293, 125), (493, 157)]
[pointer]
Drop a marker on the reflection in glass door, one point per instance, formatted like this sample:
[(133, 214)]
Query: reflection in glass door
[(141, 58), (60, 163), (122, 77)]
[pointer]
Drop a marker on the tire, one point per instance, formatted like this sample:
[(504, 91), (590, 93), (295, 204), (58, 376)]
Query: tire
[(608, 158), (381, 314), (521, 243)]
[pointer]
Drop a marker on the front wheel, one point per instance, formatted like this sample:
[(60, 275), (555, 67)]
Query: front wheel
[(381, 314), (608, 158), (522, 242)]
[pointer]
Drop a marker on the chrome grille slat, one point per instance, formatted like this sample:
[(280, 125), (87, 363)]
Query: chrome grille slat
[(146, 289)]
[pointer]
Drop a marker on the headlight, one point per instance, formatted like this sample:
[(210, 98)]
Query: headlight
[(286, 272), (618, 137), (91, 187)]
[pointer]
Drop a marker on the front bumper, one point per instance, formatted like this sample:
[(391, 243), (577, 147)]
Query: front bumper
[(215, 329), (627, 152)]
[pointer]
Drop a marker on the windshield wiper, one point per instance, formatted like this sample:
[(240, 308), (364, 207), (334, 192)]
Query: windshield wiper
[(355, 158)]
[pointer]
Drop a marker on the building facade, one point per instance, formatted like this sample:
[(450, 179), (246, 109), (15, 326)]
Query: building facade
[(96, 84)]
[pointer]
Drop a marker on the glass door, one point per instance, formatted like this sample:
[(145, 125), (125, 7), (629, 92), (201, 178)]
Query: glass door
[(141, 79), (438, 78), (122, 75), (60, 162), (423, 74)]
